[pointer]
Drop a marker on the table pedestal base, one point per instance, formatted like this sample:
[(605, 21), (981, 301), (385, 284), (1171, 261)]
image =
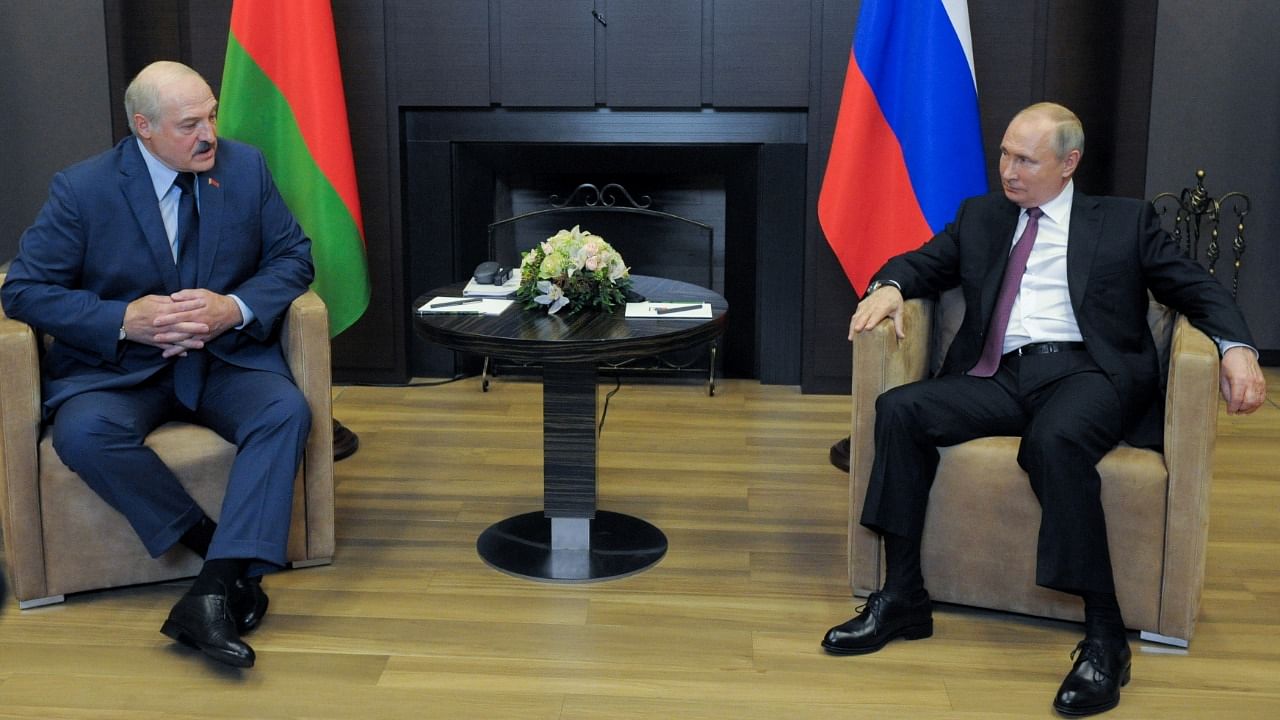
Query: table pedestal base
[(619, 545)]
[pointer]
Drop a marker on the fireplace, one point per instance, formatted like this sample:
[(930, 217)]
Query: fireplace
[(740, 172)]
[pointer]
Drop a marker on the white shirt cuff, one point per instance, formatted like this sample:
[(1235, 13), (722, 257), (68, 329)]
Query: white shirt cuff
[(245, 312), (1225, 345)]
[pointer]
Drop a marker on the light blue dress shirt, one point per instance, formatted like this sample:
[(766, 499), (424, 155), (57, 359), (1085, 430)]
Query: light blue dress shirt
[(168, 196)]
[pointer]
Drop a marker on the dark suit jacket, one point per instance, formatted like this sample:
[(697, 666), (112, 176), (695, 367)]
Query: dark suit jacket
[(99, 243), (1116, 252)]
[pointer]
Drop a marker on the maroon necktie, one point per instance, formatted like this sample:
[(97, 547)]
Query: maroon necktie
[(1009, 287)]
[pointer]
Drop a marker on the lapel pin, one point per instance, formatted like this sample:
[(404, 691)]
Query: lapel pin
[(214, 183)]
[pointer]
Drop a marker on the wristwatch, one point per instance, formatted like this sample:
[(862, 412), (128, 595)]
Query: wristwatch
[(122, 332), (879, 284)]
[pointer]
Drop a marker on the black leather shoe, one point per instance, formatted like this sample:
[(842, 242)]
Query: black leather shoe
[(204, 623), (247, 603), (840, 454), (345, 442), (1094, 683), (884, 617)]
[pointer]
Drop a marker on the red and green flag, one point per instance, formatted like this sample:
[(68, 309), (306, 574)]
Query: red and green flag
[(282, 92)]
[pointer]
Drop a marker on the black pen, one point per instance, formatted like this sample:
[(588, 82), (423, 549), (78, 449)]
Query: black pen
[(451, 303), (682, 308)]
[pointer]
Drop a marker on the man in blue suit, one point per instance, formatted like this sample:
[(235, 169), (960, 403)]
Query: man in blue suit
[(161, 269)]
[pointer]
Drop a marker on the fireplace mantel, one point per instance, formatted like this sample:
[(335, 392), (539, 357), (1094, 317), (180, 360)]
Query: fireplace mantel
[(605, 125)]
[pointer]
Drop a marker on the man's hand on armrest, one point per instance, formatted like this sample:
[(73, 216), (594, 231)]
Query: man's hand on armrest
[(885, 302), (1242, 383)]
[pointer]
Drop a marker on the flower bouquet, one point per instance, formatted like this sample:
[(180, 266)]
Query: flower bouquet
[(576, 269)]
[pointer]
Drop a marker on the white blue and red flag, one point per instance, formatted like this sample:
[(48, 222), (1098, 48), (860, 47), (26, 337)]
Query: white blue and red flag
[(907, 146)]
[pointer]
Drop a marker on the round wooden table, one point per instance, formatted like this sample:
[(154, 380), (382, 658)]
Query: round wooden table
[(569, 540)]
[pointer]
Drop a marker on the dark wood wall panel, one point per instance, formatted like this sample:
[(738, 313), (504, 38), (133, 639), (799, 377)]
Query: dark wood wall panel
[(146, 32), (1008, 69), (548, 53), (422, 273), (761, 53), (1215, 102), (368, 349), (55, 108), (828, 299), (440, 50), (780, 209), (1108, 84), (653, 53)]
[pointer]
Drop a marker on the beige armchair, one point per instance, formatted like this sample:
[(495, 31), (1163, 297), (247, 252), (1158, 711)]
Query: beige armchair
[(60, 537), (979, 541)]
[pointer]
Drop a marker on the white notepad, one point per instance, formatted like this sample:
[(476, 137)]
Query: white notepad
[(446, 305), (670, 310)]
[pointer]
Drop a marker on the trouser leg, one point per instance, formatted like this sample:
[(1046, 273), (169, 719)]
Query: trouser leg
[(912, 422), (100, 435), (267, 418), (1076, 421)]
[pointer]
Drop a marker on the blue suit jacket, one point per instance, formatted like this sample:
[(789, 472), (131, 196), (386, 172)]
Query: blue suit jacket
[(99, 243)]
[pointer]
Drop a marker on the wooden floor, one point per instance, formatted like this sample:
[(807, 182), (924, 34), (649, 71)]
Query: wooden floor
[(409, 623)]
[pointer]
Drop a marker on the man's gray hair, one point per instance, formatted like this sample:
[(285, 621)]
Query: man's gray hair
[(144, 96), (1069, 133)]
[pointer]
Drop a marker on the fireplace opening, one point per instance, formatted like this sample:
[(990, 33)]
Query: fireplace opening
[(455, 188), (662, 226)]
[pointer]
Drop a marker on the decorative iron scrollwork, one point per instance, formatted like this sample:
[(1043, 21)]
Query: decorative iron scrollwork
[(1195, 213), (588, 195)]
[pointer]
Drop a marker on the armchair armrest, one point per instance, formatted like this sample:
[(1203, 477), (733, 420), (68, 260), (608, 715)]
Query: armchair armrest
[(880, 361), (305, 337), (19, 466), (1190, 427)]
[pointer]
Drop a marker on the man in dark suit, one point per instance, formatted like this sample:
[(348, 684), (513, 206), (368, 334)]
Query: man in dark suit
[(1055, 348), (161, 269)]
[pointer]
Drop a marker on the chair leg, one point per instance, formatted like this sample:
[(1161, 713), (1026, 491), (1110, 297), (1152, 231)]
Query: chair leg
[(711, 373), (484, 375), (41, 602), (1149, 636)]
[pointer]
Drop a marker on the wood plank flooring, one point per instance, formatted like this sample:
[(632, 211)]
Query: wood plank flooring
[(409, 623)]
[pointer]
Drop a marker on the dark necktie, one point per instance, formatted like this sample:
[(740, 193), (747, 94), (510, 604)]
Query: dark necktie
[(1009, 287), (187, 239), (189, 370)]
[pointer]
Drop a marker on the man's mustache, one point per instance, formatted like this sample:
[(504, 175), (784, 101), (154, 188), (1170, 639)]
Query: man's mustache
[(203, 146)]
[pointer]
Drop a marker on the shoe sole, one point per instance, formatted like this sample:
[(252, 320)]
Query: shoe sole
[(1094, 709), (1082, 712), (913, 632), (178, 633)]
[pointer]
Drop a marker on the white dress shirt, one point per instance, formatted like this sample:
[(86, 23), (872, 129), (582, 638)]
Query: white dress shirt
[(1042, 310)]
